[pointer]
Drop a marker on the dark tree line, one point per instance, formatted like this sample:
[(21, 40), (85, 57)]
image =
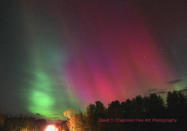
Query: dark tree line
[(152, 106), (21, 123)]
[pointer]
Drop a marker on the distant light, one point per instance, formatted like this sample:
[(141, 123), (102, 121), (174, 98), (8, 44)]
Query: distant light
[(51, 128)]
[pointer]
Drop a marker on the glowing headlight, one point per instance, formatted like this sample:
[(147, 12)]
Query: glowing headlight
[(51, 128)]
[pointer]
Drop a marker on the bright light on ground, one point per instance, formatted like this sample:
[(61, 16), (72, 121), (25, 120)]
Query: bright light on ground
[(51, 128)]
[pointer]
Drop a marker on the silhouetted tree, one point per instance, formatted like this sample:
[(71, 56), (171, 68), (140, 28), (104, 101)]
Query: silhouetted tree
[(100, 110), (126, 108), (2, 120), (146, 107), (138, 109), (114, 109), (91, 117), (154, 106), (176, 104)]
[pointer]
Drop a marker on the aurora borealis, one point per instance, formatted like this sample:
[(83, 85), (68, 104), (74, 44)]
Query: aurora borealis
[(68, 54)]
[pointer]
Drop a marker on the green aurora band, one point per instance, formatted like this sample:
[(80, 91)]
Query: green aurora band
[(47, 93)]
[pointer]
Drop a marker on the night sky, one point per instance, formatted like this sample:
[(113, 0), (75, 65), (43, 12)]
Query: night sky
[(61, 54)]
